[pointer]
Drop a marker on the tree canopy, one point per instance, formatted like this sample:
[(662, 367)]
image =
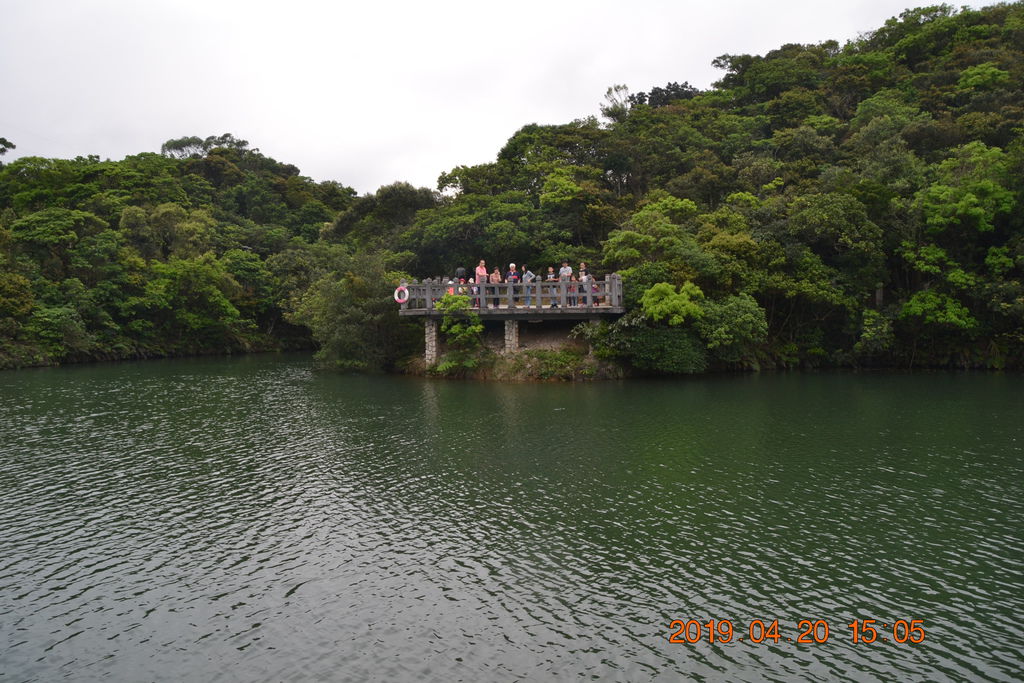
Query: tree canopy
[(821, 204)]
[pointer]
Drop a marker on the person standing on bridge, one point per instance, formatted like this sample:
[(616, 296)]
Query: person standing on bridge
[(495, 280), (512, 277), (528, 279), (565, 278), (480, 275), (552, 277)]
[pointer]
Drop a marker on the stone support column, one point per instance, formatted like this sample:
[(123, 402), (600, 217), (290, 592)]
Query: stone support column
[(511, 336), (430, 341)]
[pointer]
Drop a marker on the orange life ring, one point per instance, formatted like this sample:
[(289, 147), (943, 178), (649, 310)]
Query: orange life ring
[(402, 294)]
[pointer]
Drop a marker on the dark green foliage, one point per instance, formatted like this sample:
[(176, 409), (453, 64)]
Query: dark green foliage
[(351, 314), (734, 329), (659, 97), (834, 204), (647, 347), (666, 351), (154, 254), (377, 219)]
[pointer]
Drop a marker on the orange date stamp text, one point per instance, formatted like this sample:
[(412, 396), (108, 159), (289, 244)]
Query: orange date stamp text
[(809, 631)]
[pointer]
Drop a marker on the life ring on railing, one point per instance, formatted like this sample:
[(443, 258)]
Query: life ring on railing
[(402, 294)]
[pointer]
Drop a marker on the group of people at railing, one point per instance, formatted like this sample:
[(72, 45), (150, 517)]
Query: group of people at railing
[(576, 285)]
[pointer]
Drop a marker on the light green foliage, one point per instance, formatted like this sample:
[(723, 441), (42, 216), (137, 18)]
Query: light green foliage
[(574, 201), (743, 200), (824, 124), (969, 191), (939, 309), (628, 248), (663, 301), (654, 233), (998, 260), (560, 189), (947, 206), (16, 298), (463, 332), (727, 242), (961, 279), (461, 326), (55, 227), (876, 335), (890, 105), (663, 207), (49, 234), (986, 76), (934, 260), (927, 258)]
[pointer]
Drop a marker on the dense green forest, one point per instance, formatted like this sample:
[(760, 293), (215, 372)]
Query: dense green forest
[(821, 205)]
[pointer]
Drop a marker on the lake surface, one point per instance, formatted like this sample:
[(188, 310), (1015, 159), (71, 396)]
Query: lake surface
[(249, 519)]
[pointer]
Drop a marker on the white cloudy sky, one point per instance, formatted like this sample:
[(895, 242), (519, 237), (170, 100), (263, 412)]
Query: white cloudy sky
[(364, 93)]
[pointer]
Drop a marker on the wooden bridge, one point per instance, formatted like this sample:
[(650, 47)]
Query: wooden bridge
[(512, 302)]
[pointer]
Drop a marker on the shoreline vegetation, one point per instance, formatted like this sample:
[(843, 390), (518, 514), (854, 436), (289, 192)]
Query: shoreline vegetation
[(820, 206)]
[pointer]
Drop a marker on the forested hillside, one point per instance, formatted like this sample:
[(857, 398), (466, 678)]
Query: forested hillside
[(822, 205)]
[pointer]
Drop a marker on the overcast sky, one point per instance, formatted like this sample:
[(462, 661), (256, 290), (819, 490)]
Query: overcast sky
[(364, 93)]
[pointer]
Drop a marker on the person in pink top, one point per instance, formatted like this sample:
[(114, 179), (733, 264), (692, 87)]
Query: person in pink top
[(481, 278)]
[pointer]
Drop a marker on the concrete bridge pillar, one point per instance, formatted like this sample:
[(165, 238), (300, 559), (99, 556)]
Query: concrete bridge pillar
[(511, 336), (430, 341)]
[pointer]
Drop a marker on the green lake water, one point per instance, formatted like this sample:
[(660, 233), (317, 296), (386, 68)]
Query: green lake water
[(249, 519)]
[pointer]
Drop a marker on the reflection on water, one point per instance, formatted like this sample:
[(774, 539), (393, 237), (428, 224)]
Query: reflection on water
[(248, 519)]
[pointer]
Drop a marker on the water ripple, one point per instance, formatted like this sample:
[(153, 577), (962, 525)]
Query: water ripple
[(248, 519)]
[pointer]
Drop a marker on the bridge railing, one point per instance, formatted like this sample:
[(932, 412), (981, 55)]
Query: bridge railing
[(592, 293)]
